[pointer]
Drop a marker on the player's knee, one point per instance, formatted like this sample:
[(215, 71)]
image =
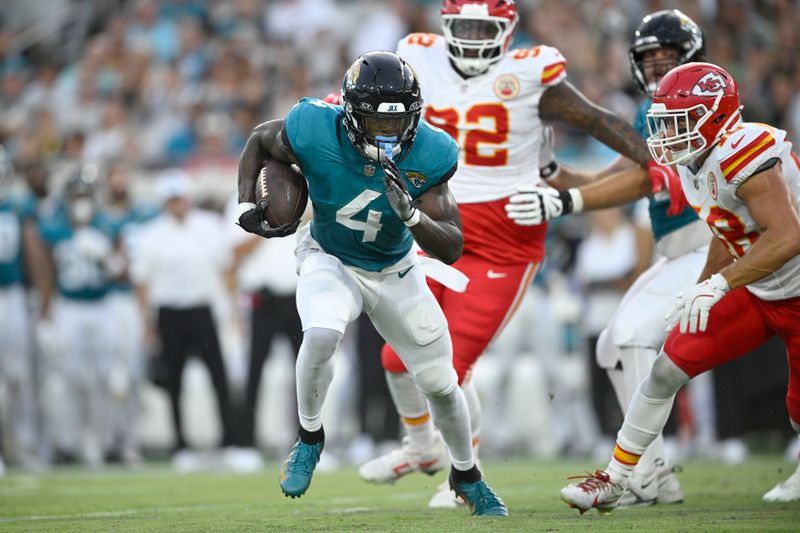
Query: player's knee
[(391, 361), (320, 343), (436, 380), (665, 378)]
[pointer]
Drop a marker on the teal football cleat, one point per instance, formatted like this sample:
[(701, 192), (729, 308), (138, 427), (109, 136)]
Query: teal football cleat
[(481, 499), (297, 470)]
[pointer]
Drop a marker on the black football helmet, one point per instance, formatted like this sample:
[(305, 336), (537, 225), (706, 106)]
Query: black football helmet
[(382, 103), (667, 28)]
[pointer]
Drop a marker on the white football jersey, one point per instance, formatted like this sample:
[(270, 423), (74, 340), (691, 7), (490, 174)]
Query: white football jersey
[(712, 194), (494, 117)]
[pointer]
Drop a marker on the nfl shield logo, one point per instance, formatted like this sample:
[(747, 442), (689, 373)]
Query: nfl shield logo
[(369, 170)]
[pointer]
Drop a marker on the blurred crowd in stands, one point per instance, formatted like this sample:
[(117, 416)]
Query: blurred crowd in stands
[(137, 87)]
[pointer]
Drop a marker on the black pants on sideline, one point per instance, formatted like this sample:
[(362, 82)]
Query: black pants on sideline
[(271, 315), (192, 331)]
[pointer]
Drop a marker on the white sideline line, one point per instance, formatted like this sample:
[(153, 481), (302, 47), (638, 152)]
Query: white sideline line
[(110, 514)]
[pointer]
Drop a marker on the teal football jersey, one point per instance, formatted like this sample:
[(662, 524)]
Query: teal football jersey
[(79, 276), (122, 226), (13, 213), (661, 223), (352, 216)]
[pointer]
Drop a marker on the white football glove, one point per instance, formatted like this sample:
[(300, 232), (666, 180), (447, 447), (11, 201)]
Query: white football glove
[(692, 307), (397, 192), (536, 204)]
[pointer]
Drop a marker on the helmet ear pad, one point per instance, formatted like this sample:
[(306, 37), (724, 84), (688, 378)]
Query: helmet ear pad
[(381, 96)]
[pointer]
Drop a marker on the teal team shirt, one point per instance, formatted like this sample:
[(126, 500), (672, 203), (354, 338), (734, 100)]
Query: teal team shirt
[(79, 276), (352, 216), (661, 223), (14, 212), (123, 226)]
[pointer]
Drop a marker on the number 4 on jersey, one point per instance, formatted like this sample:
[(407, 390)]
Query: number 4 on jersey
[(372, 226)]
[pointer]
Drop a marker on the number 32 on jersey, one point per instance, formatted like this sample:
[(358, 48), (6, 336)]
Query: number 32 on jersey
[(482, 147)]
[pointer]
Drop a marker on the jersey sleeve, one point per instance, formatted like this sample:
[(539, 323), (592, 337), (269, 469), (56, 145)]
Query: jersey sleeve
[(744, 151), (552, 64), (302, 122), (640, 120)]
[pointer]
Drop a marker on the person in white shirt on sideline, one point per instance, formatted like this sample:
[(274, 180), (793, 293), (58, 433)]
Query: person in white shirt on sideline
[(178, 266)]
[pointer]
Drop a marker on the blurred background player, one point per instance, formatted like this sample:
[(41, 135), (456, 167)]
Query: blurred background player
[(128, 359), (493, 102), (630, 343), (743, 180), (21, 254), (78, 358), (371, 267)]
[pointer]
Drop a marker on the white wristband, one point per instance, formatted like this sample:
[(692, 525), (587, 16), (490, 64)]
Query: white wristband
[(577, 200), (413, 220)]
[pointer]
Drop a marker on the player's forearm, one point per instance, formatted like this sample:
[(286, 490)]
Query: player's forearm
[(250, 164), (440, 239), (620, 136), (569, 177), (769, 253), (617, 189), (716, 259)]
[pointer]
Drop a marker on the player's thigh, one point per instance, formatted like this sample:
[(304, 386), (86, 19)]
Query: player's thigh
[(327, 295), (639, 321), (736, 326), (478, 315), (408, 317)]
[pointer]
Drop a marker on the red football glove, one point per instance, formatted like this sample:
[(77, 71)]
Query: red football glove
[(664, 177), (333, 98)]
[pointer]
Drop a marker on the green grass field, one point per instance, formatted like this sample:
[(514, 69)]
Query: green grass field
[(719, 498)]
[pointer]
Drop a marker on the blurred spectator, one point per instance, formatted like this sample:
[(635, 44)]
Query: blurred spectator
[(179, 264)]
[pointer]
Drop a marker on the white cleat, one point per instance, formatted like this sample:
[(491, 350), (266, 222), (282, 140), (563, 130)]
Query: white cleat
[(445, 498), (595, 491), (785, 491), (642, 490), (669, 488), (391, 466)]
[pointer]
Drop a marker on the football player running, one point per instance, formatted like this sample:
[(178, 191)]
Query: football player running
[(378, 181), (743, 180), (631, 341), (493, 102)]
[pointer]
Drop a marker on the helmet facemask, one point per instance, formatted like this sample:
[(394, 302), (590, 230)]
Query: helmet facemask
[(474, 42), (391, 125), (675, 136)]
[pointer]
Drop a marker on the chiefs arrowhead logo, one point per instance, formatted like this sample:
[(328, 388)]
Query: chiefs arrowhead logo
[(711, 84)]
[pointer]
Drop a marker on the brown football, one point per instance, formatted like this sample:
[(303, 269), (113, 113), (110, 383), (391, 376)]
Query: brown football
[(285, 189)]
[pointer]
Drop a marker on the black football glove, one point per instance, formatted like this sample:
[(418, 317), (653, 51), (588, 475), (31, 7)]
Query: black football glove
[(252, 221), (397, 191)]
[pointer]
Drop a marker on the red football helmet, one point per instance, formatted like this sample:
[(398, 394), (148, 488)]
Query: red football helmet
[(478, 32), (694, 105)]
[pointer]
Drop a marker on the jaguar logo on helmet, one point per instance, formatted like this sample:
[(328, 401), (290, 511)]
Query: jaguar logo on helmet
[(353, 73), (711, 84)]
